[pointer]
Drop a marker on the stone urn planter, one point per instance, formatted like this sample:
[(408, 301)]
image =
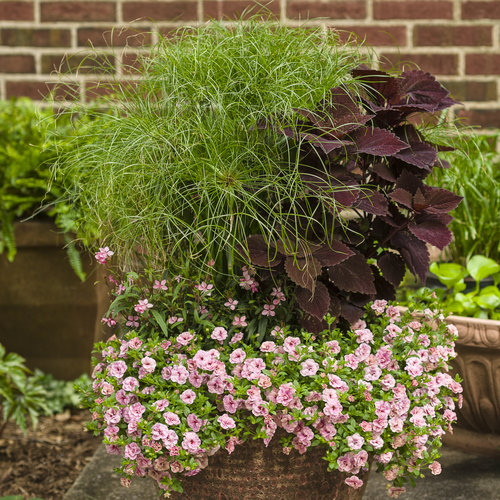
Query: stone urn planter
[(255, 472), (47, 314), (478, 364)]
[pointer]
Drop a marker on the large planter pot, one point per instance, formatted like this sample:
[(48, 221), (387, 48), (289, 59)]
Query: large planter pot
[(47, 314), (478, 364), (255, 472)]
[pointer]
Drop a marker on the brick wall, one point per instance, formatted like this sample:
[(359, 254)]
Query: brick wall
[(457, 40)]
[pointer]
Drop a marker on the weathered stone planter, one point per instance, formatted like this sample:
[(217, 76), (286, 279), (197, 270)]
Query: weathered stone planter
[(478, 364), (255, 472), (47, 314)]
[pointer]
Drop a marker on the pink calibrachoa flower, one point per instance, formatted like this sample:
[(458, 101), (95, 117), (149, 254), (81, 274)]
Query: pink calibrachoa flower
[(191, 442), (149, 364), (226, 422), (355, 442), (130, 384), (268, 346), (309, 368), (435, 468), (237, 356), (185, 338), (219, 333), (236, 338), (354, 482), (171, 418), (102, 255), (117, 369), (143, 306), (286, 393), (160, 285), (188, 396), (194, 422)]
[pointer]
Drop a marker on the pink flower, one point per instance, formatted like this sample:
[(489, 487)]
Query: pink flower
[(204, 288), (231, 303), (117, 369), (435, 468), (191, 442), (194, 422), (159, 431), (309, 368), (286, 393), (355, 442), (237, 356), (239, 321), (130, 384), (143, 306), (414, 366), (226, 422), (219, 333), (160, 285), (372, 372), (108, 321), (236, 338), (132, 451), (185, 338), (132, 321), (354, 482), (179, 374), (230, 405), (161, 404), (333, 346), (188, 396), (149, 364), (135, 343), (174, 319), (268, 310), (102, 255), (136, 411), (379, 306), (364, 335), (268, 346), (290, 344), (171, 418)]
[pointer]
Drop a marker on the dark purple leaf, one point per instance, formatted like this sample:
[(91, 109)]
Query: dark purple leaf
[(303, 271), (261, 254), (413, 251), (385, 290), (333, 254), (432, 232), (353, 275), (408, 182), (392, 267), (313, 325), (351, 312), (377, 142), (316, 304), (372, 202), (382, 170), (422, 89), (402, 197), (419, 154), (441, 200)]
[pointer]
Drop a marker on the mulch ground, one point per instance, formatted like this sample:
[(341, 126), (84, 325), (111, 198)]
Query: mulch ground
[(45, 463)]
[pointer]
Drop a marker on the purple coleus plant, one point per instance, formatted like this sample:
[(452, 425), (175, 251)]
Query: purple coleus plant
[(363, 164)]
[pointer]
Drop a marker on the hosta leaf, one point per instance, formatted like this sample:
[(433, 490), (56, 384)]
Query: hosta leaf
[(353, 275), (487, 300), (333, 254), (392, 267), (413, 251), (318, 304), (432, 232), (303, 271), (378, 142)]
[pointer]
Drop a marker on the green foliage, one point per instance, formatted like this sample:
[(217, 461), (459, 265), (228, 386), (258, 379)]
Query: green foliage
[(179, 168), (481, 302), (475, 175), (30, 140), (61, 394), (21, 396)]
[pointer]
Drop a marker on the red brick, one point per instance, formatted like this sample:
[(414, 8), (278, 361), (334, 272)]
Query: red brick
[(472, 91), (41, 90), (95, 64), (462, 36), (437, 64), (488, 118), (481, 10), (115, 37), (412, 10), (16, 11), (25, 37), (353, 9), (482, 64), (161, 11), (375, 35), (18, 63), (233, 9), (131, 64), (78, 11)]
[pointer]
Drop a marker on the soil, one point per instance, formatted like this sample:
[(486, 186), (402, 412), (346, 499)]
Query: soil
[(45, 463)]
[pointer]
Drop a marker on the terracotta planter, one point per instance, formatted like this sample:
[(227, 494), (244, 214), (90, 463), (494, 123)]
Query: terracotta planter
[(254, 472), (47, 314), (478, 364)]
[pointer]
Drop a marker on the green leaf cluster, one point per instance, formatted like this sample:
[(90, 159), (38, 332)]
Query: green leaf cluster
[(474, 173), (482, 301), (31, 138)]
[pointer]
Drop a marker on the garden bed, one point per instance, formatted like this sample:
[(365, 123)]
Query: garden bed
[(45, 462)]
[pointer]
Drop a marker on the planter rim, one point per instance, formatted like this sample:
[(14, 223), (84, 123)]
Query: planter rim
[(474, 321)]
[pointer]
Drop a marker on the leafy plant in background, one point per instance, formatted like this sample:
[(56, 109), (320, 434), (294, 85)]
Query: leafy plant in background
[(21, 396), (30, 140), (481, 302), (474, 174)]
